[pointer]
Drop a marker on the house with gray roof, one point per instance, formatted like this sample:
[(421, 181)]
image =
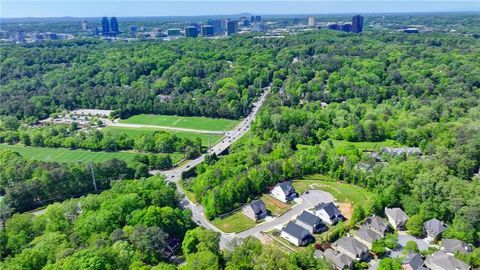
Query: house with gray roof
[(284, 192), (413, 261), (351, 247), (339, 260), (310, 222), (442, 261), (367, 236), (396, 217), (295, 234), (328, 212), (433, 229), (452, 246), (255, 210), (377, 224)]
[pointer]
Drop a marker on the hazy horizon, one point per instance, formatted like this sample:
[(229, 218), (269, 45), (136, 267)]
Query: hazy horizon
[(83, 9)]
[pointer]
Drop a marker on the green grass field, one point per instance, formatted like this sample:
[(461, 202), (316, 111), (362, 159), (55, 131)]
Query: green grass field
[(67, 155), (342, 192), (276, 207), (133, 132), (200, 123), (235, 222)]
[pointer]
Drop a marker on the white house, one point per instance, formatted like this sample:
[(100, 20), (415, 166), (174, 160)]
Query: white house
[(284, 192), (328, 213), (295, 234)]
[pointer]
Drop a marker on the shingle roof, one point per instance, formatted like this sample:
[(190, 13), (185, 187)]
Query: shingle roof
[(445, 261), (296, 231), (396, 214), (309, 218), (434, 227), (340, 260), (454, 246), (330, 208), (286, 187), (414, 260), (258, 207), (368, 235), (351, 245), (377, 224)]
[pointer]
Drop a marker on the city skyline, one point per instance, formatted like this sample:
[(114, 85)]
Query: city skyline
[(74, 8)]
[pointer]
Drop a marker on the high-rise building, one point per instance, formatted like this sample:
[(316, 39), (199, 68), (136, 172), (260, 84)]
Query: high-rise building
[(191, 31), (132, 29), (208, 31), (346, 27), (232, 27), (333, 26), (311, 21), (252, 19), (245, 22), (105, 26), (173, 32), (84, 24), (217, 26), (258, 18), (357, 24), (114, 25)]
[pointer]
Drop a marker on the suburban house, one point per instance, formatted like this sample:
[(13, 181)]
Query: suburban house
[(367, 236), (377, 224), (339, 260), (284, 192), (413, 261), (295, 234), (433, 229), (328, 212), (452, 246), (442, 261), (310, 222), (255, 210), (351, 247), (396, 217)]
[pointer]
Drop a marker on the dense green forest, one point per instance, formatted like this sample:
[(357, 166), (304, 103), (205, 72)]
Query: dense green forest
[(331, 92)]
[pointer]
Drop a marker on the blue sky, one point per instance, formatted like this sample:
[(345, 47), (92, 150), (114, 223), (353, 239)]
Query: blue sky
[(122, 8)]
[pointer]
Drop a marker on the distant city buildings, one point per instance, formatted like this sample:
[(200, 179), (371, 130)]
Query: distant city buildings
[(311, 21), (173, 32), (84, 25), (216, 24), (232, 27), (114, 25), (357, 24), (110, 28), (191, 31), (208, 31), (105, 26)]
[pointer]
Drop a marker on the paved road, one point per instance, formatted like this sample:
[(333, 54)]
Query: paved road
[(174, 175), (306, 201)]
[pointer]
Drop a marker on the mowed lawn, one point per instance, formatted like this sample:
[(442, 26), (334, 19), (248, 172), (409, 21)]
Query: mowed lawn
[(67, 155), (236, 222), (134, 132), (276, 207), (200, 123), (343, 192), (367, 146)]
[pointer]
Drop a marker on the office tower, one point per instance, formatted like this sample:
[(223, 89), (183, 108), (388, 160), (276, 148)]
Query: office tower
[(232, 27), (259, 27), (357, 24), (217, 25), (347, 27), (258, 18), (245, 22), (84, 24), (334, 26), (173, 32), (208, 31), (191, 31), (50, 35), (252, 19), (114, 25), (311, 21), (132, 29), (105, 26)]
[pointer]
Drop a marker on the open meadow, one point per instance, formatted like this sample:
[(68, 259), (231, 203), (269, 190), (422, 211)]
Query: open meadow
[(199, 123), (68, 155)]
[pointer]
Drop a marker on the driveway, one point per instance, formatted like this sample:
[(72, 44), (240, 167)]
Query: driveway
[(306, 201), (403, 238)]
